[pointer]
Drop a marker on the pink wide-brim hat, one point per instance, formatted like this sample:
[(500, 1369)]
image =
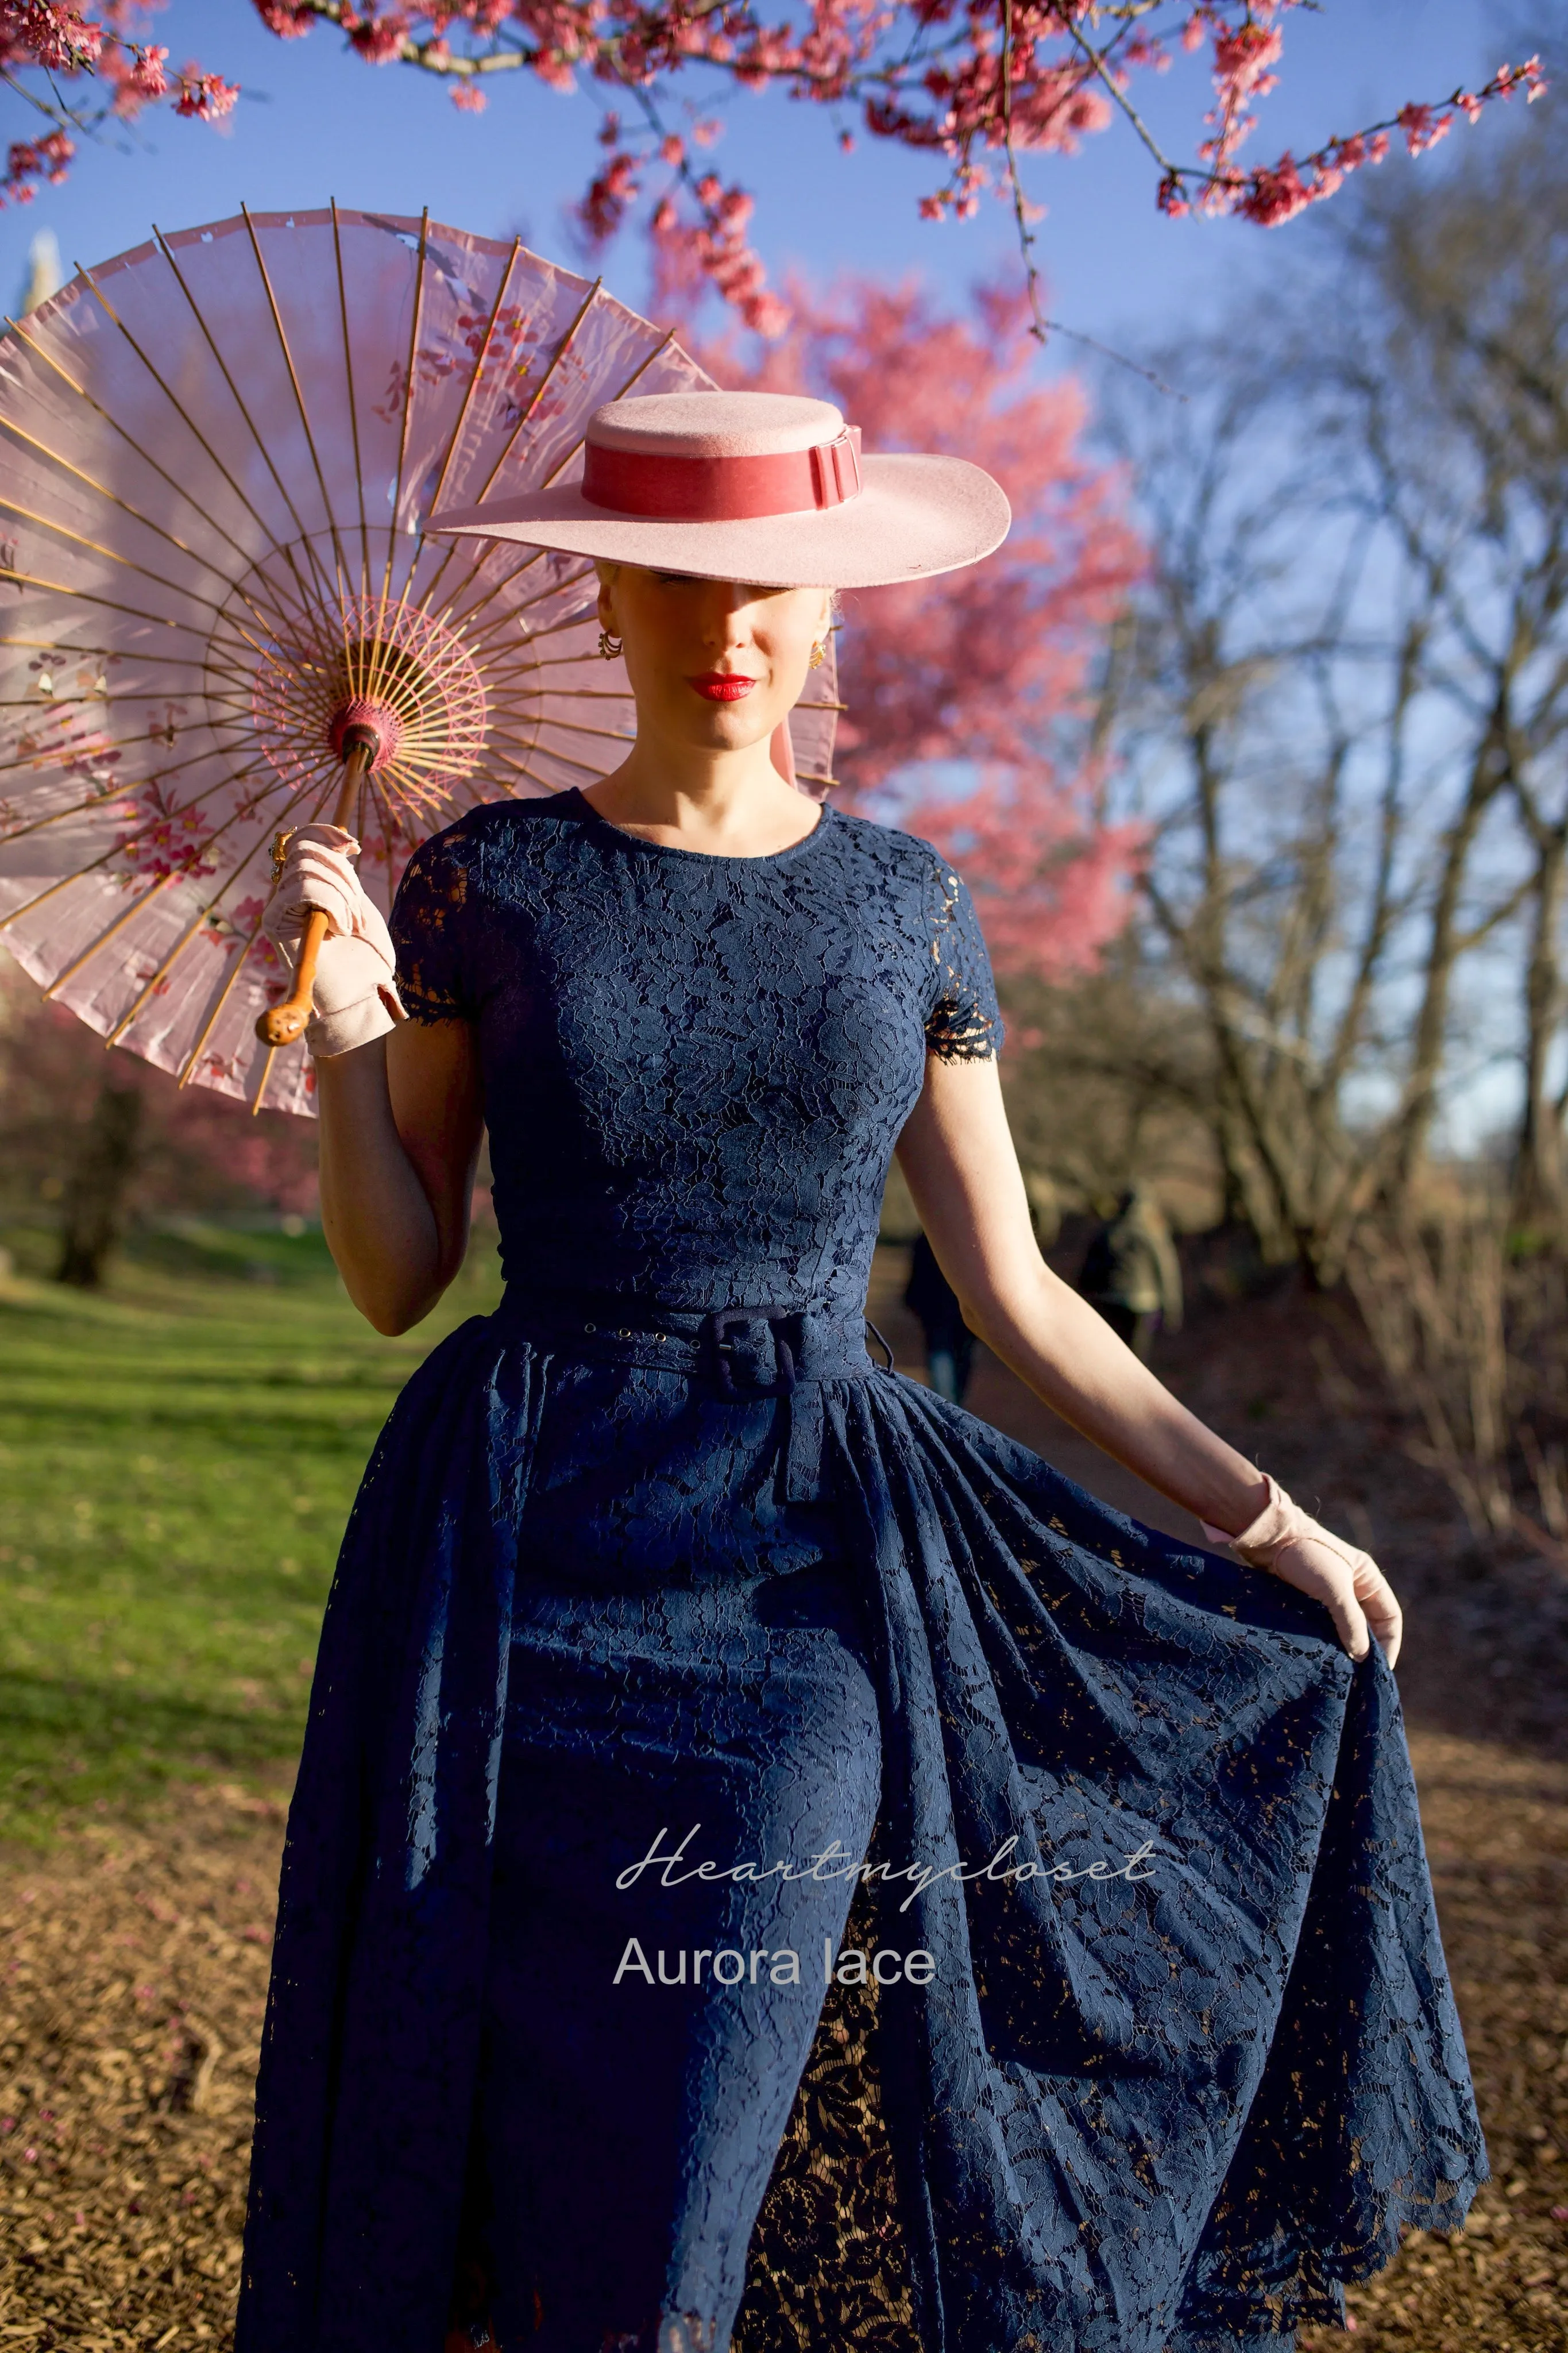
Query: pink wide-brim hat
[(760, 487)]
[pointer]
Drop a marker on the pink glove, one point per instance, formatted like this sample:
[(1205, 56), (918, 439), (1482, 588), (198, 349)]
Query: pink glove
[(1290, 1545), (355, 987)]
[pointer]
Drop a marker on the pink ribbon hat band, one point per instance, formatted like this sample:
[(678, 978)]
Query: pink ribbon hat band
[(766, 488)]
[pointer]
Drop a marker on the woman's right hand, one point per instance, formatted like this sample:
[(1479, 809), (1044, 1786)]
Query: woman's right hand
[(354, 988)]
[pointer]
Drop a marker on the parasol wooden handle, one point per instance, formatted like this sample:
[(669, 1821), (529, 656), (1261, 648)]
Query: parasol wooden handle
[(282, 1024)]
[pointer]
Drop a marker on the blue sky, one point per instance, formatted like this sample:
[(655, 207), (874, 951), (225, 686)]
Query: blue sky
[(315, 122)]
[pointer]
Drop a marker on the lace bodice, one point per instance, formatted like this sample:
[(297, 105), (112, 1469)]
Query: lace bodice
[(695, 1067)]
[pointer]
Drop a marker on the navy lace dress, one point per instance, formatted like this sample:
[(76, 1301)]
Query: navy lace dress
[(658, 1563)]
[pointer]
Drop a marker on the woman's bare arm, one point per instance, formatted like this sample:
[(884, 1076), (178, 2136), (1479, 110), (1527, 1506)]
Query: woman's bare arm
[(401, 1124), (957, 1153)]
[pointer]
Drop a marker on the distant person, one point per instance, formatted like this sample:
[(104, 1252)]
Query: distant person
[(931, 1298), (950, 1343), (1132, 1273), (1044, 1209)]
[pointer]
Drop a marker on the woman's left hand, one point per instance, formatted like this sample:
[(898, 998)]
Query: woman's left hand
[(1293, 1547)]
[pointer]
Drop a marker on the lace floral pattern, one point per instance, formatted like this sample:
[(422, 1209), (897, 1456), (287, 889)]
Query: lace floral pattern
[(693, 1065), (1187, 2058)]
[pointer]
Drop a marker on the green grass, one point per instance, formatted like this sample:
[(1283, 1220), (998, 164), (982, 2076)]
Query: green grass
[(177, 1458)]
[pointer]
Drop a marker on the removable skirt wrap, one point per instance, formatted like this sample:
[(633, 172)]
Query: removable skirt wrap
[(1169, 2100)]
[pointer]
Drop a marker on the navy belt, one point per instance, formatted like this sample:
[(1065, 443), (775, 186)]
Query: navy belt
[(745, 1352)]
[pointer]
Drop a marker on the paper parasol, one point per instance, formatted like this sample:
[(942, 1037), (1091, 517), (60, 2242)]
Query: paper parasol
[(221, 449)]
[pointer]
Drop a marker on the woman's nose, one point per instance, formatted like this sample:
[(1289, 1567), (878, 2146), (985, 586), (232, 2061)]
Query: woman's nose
[(725, 611)]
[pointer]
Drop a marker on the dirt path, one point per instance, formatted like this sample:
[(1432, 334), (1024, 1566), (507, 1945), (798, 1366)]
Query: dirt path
[(132, 1963)]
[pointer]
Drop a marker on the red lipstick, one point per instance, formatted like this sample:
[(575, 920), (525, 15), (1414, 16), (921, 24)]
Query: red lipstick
[(722, 685)]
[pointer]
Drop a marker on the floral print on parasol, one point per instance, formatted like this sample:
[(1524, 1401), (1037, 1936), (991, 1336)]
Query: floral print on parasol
[(221, 617)]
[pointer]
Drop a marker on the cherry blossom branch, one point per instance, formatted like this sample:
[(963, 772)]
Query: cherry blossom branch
[(1272, 193), (1041, 327), (59, 43), (952, 76)]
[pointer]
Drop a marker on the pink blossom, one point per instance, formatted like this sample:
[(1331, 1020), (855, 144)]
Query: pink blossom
[(54, 38), (148, 77), (469, 97), (1530, 77), (378, 39), (604, 208), (766, 315), (1242, 58), (1276, 195), (289, 19), (1423, 127), (35, 159), (206, 96)]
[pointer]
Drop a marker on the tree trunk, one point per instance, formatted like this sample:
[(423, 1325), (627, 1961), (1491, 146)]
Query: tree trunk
[(100, 1185), (1407, 1145), (1537, 1156)]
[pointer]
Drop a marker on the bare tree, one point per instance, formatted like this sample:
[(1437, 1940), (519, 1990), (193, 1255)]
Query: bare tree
[(1457, 403), (1473, 1342), (1345, 707)]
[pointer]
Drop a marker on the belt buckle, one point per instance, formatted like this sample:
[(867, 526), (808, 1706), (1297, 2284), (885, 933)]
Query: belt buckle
[(723, 1319)]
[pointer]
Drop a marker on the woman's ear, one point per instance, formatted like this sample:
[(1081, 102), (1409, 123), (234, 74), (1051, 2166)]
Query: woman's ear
[(606, 606)]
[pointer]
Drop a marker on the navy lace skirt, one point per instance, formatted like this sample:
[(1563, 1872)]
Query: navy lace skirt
[(1184, 2057)]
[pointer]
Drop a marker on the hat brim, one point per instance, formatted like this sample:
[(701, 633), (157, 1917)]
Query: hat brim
[(915, 516)]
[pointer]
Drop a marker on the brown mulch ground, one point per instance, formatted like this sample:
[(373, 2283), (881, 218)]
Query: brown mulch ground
[(132, 1960), (132, 1970), (132, 1976)]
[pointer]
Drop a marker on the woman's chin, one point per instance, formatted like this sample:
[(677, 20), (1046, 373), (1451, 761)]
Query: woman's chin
[(728, 727)]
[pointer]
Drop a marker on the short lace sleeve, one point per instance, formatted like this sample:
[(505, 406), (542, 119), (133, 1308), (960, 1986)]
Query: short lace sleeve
[(427, 932), (963, 1021)]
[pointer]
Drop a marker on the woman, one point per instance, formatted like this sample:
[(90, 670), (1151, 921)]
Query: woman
[(662, 1607)]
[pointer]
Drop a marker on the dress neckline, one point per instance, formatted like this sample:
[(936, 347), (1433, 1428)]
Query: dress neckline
[(704, 857)]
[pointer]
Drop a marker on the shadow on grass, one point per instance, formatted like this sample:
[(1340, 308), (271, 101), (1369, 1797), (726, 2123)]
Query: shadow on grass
[(67, 1745)]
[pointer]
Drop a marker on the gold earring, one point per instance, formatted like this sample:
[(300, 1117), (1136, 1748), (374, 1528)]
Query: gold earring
[(819, 653), (610, 648)]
